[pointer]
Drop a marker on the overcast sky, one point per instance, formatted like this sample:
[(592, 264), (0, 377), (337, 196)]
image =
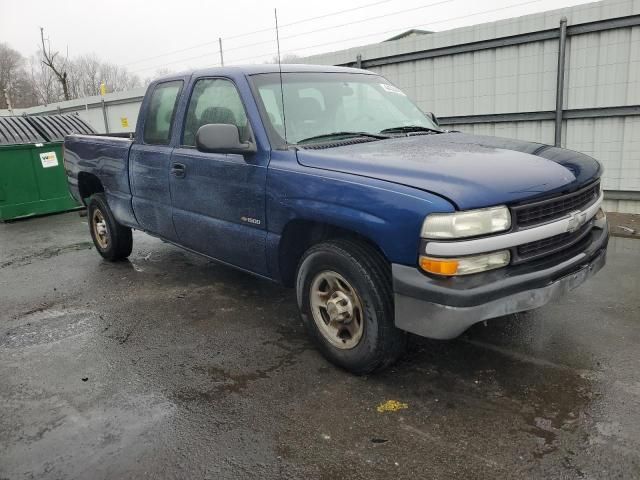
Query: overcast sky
[(142, 34)]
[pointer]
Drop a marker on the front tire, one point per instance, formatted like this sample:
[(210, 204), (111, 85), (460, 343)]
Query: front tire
[(112, 240), (346, 302)]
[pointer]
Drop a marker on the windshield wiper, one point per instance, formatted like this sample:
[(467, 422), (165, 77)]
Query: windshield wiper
[(343, 134), (410, 128)]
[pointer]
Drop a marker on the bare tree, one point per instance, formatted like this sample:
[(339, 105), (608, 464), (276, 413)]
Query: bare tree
[(87, 72), (85, 76), (9, 62), (117, 78), (46, 78), (21, 91), (44, 82), (160, 72), (14, 79), (58, 68)]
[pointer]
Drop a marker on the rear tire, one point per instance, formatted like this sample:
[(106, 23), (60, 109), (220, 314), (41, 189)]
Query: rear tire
[(112, 240), (345, 298)]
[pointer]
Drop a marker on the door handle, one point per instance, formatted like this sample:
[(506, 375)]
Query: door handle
[(178, 170)]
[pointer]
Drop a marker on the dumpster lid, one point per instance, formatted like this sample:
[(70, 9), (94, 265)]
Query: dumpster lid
[(56, 127), (17, 130)]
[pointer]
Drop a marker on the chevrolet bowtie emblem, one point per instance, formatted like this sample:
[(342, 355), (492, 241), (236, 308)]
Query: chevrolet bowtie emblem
[(576, 220)]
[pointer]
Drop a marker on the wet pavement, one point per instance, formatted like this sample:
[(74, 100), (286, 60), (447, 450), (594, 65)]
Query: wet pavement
[(172, 366)]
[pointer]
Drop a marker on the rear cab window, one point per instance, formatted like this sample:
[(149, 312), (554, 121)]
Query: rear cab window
[(161, 112)]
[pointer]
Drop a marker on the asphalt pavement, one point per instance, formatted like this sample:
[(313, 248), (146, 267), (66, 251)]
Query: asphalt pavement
[(171, 366)]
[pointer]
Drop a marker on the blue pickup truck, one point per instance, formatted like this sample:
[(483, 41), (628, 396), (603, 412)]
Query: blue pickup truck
[(332, 181)]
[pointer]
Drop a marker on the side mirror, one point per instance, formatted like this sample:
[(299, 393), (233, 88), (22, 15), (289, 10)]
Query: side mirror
[(222, 138), (433, 118)]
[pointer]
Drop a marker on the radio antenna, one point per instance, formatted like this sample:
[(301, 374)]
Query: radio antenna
[(284, 120)]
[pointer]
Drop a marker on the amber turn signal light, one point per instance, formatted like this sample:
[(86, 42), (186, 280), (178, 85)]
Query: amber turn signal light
[(439, 266), (465, 265)]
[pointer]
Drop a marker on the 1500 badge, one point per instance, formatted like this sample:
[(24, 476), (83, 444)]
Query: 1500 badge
[(255, 221)]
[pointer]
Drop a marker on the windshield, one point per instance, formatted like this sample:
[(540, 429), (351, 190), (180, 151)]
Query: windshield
[(320, 104)]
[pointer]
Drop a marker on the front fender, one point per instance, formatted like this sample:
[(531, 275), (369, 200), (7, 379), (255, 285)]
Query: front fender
[(387, 214)]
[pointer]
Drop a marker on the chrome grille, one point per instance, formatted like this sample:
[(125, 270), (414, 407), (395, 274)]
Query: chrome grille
[(554, 208), (548, 246)]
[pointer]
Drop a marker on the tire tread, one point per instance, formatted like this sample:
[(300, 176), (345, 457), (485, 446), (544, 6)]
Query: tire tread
[(121, 236), (374, 266)]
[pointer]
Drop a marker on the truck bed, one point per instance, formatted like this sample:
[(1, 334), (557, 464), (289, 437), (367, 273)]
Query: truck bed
[(128, 135), (107, 158)]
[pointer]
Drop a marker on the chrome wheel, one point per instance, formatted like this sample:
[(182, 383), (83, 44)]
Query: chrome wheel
[(337, 310), (100, 229)]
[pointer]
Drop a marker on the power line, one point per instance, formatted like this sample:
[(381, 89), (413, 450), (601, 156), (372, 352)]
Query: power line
[(399, 12), (309, 19), (370, 18), (182, 60), (169, 53), (300, 34), (460, 17), (297, 22), (493, 10)]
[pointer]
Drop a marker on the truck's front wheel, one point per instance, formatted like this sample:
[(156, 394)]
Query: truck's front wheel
[(112, 240), (345, 298)]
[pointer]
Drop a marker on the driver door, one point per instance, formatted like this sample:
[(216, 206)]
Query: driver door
[(218, 200)]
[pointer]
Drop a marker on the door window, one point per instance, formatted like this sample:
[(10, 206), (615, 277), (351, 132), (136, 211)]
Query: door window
[(273, 106), (162, 107), (214, 100)]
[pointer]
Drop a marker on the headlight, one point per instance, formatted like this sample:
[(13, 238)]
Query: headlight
[(466, 224), (465, 265)]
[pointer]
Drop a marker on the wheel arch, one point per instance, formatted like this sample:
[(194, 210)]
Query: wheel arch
[(89, 184), (301, 234)]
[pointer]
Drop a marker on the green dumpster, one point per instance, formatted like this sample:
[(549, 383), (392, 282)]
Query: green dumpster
[(32, 176)]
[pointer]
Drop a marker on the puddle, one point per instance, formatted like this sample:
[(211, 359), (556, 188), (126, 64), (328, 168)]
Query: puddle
[(46, 253), (43, 326), (227, 382)]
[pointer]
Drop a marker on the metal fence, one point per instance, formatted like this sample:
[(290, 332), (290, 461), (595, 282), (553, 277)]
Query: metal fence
[(569, 77), (112, 113)]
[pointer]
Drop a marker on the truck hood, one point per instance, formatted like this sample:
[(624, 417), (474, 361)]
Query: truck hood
[(469, 170)]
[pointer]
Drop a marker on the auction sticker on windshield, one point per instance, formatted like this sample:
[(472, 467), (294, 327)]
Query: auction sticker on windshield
[(392, 89), (49, 159)]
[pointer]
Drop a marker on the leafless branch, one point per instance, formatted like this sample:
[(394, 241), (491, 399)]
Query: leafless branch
[(58, 69)]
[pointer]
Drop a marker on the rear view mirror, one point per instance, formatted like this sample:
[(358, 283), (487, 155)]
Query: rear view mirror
[(222, 138), (433, 118)]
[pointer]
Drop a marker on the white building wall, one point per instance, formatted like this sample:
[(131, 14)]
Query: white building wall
[(535, 131), (519, 78), (118, 106), (602, 70)]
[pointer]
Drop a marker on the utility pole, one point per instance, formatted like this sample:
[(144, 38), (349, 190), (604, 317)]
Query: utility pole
[(560, 82), (8, 100), (221, 57)]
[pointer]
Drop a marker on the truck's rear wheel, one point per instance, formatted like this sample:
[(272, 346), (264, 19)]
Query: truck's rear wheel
[(112, 240), (345, 298)]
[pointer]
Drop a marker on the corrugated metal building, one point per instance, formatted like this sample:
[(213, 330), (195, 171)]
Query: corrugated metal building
[(113, 113), (501, 78)]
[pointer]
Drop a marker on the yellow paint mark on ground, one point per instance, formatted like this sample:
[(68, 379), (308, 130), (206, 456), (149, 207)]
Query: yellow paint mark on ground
[(391, 406)]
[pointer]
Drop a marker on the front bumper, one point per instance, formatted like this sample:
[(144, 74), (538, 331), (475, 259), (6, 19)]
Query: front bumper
[(443, 308)]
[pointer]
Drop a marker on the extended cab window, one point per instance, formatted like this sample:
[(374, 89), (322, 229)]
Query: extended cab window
[(214, 100), (157, 125)]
